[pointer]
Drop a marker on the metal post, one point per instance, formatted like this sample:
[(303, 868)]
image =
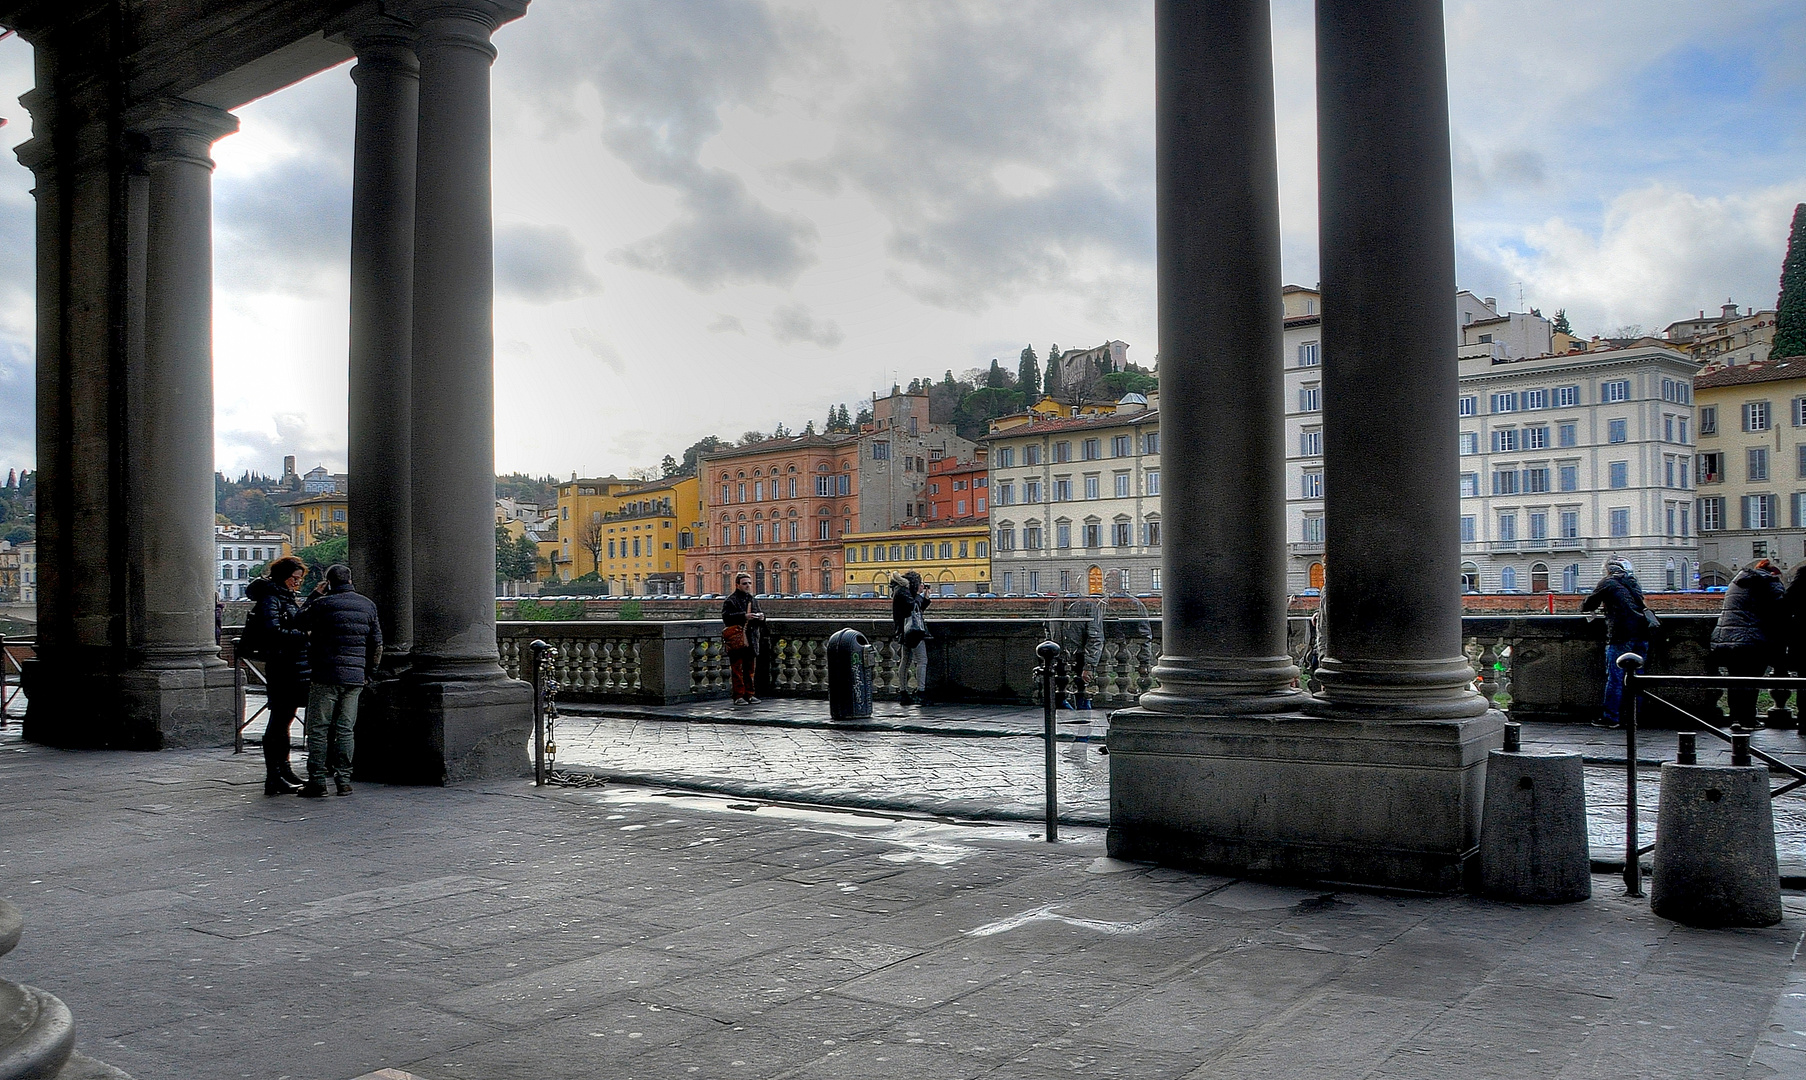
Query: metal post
[(1514, 737), (1049, 652), (238, 704), (1633, 867), (1740, 746), (537, 649), (1688, 753)]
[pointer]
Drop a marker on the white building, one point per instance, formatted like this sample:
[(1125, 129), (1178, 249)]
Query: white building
[(241, 553), (1073, 498), (1565, 459)]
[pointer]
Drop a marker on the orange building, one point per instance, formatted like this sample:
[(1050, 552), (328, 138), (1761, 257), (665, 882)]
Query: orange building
[(957, 490), (777, 510)]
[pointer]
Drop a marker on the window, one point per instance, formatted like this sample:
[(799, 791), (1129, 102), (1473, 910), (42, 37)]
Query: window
[(1310, 397), (1091, 449), (1617, 431), (1307, 354), (1470, 442), (1009, 582), (1755, 416), (1569, 524), (1121, 482), (1154, 538), (1469, 405), (1711, 515), (1683, 521), (1123, 535), (1504, 440), (1565, 434), (1508, 527), (1536, 479), (1505, 482), (1802, 461), (1667, 427), (1151, 442), (1758, 511), (1313, 529), (880, 450), (1065, 581), (1062, 452), (1006, 538), (1567, 477), (1034, 581), (1151, 479), (1467, 528), (1120, 445), (1091, 488), (1536, 438), (1504, 403), (1470, 485), (1470, 577), (1310, 442), (1616, 390), (1618, 473), (1311, 486), (1536, 399), (824, 485), (1567, 396), (825, 531), (758, 491), (1539, 525), (1062, 490), (1508, 579), (1711, 467), (1031, 454), (1031, 537), (1620, 521), (909, 552), (980, 549), (1758, 463), (793, 527), (1031, 491), (1005, 494), (1094, 534), (1006, 457), (1669, 520), (1062, 534), (611, 549)]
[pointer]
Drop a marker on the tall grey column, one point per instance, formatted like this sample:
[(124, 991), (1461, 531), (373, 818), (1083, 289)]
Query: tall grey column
[(382, 304), (1221, 325), (1391, 505), (475, 719)]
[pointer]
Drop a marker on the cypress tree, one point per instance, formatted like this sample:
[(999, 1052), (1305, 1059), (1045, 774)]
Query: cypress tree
[(1028, 375), (1790, 307), (994, 377), (1051, 384)]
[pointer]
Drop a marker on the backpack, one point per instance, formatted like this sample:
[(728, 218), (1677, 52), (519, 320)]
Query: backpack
[(253, 640)]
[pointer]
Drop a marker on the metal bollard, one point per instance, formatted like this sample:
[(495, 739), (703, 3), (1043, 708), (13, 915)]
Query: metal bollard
[(1740, 746), (538, 650), (1630, 663), (1688, 751), (1051, 671), (1514, 736)]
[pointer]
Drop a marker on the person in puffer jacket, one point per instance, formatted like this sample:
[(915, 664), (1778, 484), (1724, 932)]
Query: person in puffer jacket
[(344, 647), (1751, 633), (1620, 598), (282, 646)]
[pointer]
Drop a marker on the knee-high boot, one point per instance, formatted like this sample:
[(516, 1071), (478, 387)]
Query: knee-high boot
[(278, 776)]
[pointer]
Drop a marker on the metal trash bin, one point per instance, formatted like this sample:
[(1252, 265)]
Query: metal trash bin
[(850, 663)]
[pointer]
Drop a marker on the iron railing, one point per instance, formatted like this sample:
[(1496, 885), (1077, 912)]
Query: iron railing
[(13, 654)]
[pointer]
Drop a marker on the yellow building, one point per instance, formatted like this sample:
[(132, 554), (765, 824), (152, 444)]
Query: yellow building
[(636, 536), (953, 560), (1750, 467), (313, 518)]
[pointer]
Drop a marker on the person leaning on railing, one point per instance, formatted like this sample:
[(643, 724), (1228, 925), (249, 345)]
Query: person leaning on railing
[(1751, 633), (1619, 597)]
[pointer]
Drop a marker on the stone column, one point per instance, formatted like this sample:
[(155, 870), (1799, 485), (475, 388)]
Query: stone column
[(464, 717), (1222, 396), (178, 692), (382, 302), (1392, 612)]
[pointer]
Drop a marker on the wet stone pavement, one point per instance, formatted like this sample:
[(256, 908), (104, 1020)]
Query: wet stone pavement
[(199, 930)]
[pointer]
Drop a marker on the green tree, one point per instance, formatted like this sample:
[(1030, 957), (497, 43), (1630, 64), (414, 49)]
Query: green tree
[(1790, 307), (864, 417), (1119, 383), (995, 377), (974, 415), (699, 447), (1560, 323), (1028, 375), (1051, 384), (669, 466), (318, 556)]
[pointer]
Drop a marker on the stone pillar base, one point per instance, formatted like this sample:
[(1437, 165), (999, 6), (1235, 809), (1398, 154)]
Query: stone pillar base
[(426, 732), (1295, 797), (174, 708)]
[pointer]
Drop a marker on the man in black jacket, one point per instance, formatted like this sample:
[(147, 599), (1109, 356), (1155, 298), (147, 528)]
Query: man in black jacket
[(344, 645), (1750, 634), (1626, 628)]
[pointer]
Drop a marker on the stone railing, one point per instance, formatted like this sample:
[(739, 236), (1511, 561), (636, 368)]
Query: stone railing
[(1537, 667)]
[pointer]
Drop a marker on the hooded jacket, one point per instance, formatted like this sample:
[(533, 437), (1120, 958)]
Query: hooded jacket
[(344, 637), (284, 645), (1621, 597), (734, 612), (1753, 613)]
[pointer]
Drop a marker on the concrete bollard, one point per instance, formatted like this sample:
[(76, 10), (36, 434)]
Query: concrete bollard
[(1715, 847), (1533, 829)]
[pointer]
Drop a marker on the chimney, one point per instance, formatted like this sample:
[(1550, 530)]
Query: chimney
[(1493, 302)]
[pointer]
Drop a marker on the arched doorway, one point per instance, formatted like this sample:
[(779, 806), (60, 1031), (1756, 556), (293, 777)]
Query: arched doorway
[(1539, 577), (1670, 576), (1470, 577), (1314, 576)]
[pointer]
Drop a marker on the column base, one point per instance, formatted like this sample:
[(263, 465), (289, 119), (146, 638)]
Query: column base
[(1386, 804), (422, 731), (137, 709)]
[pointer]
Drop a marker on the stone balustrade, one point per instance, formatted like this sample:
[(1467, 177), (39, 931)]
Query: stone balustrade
[(1536, 667)]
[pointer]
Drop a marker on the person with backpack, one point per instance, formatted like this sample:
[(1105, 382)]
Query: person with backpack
[(272, 636), (908, 608), (1627, 624), (1751, 633), (344, 647)]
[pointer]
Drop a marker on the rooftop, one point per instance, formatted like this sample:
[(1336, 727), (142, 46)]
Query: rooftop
[(1769, 371), (1042, 425)]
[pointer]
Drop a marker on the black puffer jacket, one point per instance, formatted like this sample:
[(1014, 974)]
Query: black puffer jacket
[(1621, 597), (903, 602), (1753, 613), (282, 643), (344, 637), (1793, 604)]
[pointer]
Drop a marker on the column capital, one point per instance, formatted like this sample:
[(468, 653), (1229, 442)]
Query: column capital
[(37, 153), (177, 129), (461, 22), (383, 42)]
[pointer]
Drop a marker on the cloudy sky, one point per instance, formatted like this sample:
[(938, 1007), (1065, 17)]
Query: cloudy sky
[(716, 215)]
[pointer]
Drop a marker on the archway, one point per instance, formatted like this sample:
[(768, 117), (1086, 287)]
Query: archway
[(1539, 577), (1314, 576), (1470, 577)]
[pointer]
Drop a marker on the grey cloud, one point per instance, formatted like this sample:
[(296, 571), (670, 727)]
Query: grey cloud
[(18, 391), (286, 228), (541, 263), (664, 72), (254, 449), (1478, 173), (592, 342), (727, 324), (793, 322)]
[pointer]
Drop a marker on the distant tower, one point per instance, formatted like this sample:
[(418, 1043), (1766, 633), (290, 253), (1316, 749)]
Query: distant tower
[(290, 479)]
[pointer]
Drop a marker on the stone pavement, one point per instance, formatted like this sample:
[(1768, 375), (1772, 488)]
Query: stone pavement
[(201, 931)]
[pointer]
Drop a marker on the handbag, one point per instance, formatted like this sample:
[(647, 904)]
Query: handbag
[(734, 637), (915, 629)]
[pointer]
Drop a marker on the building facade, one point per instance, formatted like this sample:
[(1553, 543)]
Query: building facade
[(28, 571), (1751, 466), (780, 510), (648, 537), (897, 450), (580, 533), (952, 559), (1728, 340), (958, 490), (242, 554), (10, 564), (1073, 498), (313, 518)]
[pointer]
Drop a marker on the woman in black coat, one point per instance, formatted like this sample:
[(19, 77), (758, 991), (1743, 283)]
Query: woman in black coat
[(1751, 633), (741, 609), (281, 645)]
